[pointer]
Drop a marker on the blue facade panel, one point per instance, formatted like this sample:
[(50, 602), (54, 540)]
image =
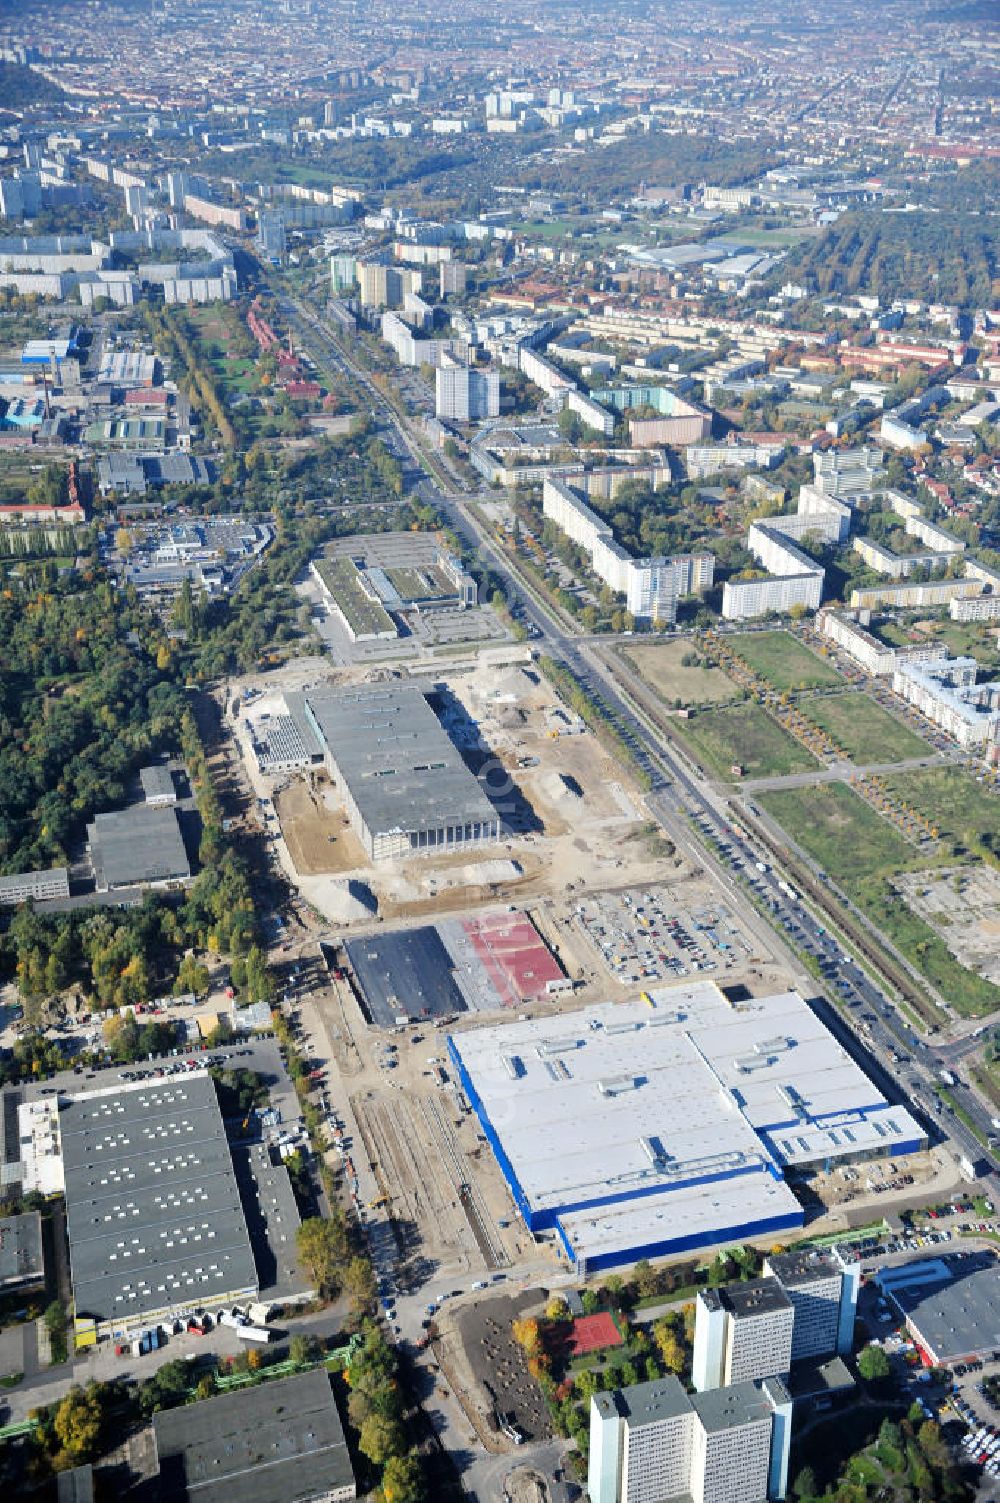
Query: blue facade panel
[(672, 1246), (492, 1137)]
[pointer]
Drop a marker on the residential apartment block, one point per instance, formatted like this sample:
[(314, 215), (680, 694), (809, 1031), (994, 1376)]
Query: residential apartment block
[(947, 693), (868, 651), (742, 1332), (823, 1290), (795, 578), (652, 1443), (802, 1309), (652, 586), (464, 395)]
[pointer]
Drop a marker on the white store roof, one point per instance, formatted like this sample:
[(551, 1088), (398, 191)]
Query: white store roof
[(631, 1098)]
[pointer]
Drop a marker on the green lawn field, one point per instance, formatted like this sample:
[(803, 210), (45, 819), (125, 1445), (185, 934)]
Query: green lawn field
[(861, 851), (962, 809), (747, 735), (867, 732), (839, 830), (784, 661)]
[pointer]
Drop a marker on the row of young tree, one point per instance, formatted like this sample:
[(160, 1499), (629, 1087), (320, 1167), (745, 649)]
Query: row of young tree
[(193, 373)]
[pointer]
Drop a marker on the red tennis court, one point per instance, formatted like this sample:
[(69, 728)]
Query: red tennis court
[(593, 1333)]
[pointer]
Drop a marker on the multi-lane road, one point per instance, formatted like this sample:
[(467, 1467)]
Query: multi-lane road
[(690, 810)]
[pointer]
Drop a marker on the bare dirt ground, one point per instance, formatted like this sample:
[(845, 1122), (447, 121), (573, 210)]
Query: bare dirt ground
[(525, 1486), (487, 1367), (962, 906), (316, 830)]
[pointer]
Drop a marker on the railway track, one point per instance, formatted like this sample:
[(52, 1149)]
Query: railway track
[(469, 1197)]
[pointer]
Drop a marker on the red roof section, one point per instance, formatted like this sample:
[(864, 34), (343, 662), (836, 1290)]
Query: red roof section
[(146, 396), (513, 953)]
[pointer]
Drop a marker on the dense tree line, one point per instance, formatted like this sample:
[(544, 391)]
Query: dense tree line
[(194, 375), (657, 158), (81, 708), (21, 88), (948, 258), (265, 614), (909, 1461)]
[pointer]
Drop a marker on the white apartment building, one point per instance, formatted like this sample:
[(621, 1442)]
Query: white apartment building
[(947, 693), (871, 654), (896, 565), (410, 349), (982, 608), (464, 395), (742, 1332), (935, 592), (813, 502), (823, 1290), (802, 1309), (453, 278), (848, 472), (591, 413), (703, 460), (928, 532), (743, 599), (652, 1443), (544, 374), (52, 883), (652, 586), (795, 578), (384, 286)]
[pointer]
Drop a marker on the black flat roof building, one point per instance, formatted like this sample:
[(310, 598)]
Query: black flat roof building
[(153, 1211), (141, 845), (279, 1442)]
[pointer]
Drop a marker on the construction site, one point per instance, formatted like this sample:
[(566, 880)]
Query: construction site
[(577, 903), (564, 816)]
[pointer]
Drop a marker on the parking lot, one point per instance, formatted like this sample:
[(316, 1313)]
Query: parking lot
[(644, 936)]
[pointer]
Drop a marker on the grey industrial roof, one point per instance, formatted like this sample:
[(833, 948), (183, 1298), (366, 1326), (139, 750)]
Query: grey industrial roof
[(279, 1442), (402, 770), (153, 1210), (756, 1297), (953, 1304), (725, 1408), (21, 1249), (684, 1105), (157, 782), (138, 844)]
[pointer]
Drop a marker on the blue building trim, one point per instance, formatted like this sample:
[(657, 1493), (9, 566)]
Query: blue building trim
[(661, 1187), (492, 1137), (669, 1246)]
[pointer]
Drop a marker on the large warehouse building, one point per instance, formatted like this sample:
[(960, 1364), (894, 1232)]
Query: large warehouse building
[(406, 788), (156, 1228), (951, 1305), (647, 1128)]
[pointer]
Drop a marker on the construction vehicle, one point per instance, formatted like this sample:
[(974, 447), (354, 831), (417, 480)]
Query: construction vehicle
[(380, 1200)]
